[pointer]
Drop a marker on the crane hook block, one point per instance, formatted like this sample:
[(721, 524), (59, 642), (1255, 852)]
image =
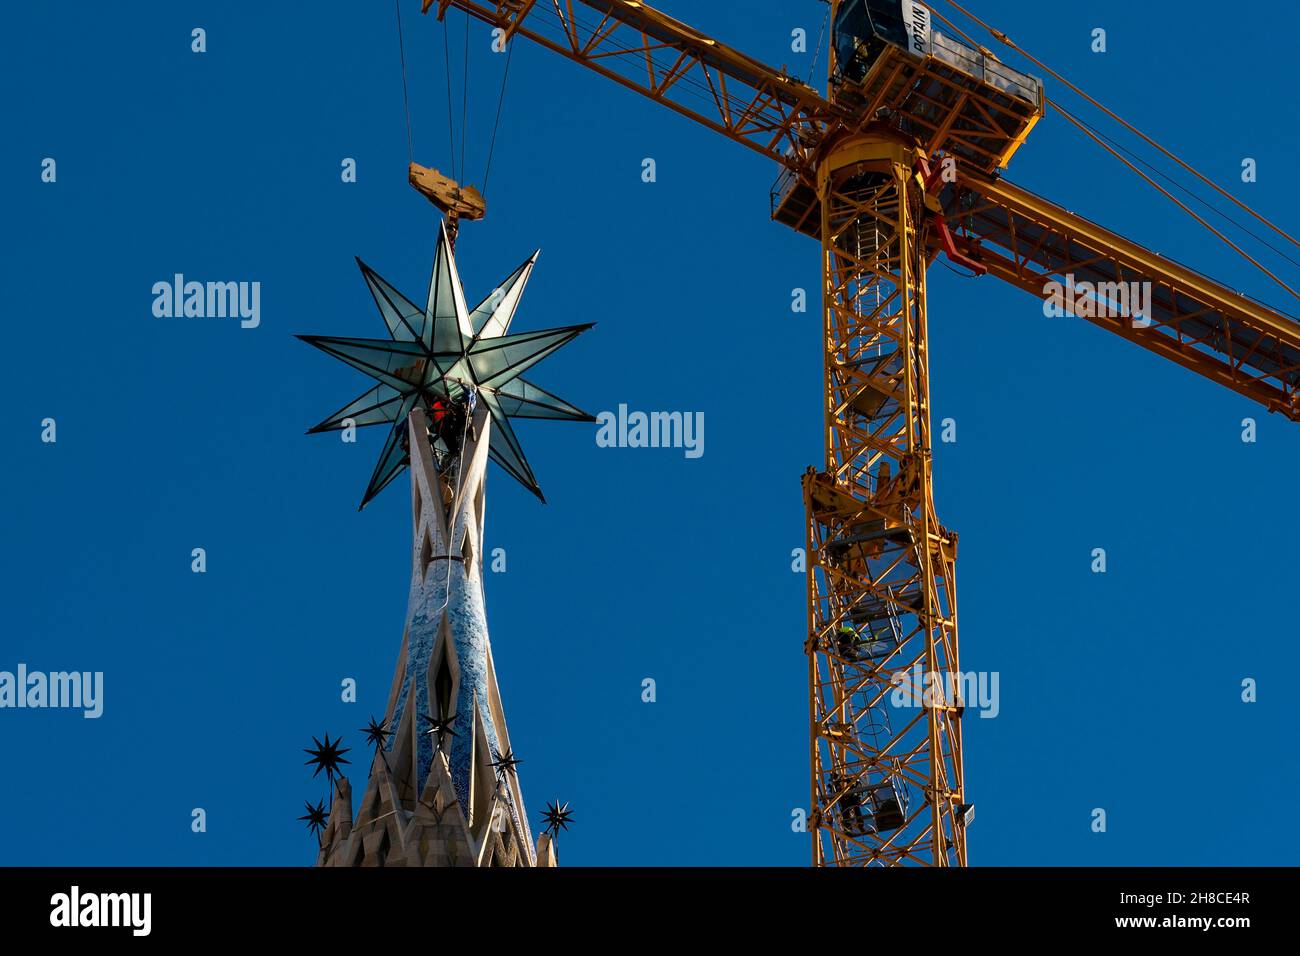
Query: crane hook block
[(455, 200)]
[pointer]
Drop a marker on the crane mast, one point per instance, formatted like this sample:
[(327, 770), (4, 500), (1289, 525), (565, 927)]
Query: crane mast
[(887, 783), (884, 675), (912, 135)]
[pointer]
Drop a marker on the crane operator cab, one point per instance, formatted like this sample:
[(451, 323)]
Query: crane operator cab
[(862, 29), (892, 60)]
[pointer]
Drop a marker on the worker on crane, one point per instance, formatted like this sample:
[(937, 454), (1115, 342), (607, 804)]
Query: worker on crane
[(854, 820), (849, 641)]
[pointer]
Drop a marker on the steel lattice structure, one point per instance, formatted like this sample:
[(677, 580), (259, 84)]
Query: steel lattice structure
[(899, 162), (879, 561)]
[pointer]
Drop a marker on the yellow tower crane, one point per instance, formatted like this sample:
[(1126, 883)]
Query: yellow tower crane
[(899, 162)]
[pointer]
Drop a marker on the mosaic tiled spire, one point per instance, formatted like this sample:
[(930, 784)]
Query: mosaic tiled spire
[(444, 790)]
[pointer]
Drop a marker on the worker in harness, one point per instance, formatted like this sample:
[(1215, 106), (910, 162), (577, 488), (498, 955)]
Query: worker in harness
[(471, 403), (452, 427), (437, 415), (855, 821), (849, 641)]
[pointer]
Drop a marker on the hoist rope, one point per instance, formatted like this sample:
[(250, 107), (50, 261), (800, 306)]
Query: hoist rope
[(451, 125), (812, 70), (510, 51), (406, 98), (464, 101)]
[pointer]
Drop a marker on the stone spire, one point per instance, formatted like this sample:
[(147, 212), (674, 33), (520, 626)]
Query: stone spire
[(443, 788), (443, 792)]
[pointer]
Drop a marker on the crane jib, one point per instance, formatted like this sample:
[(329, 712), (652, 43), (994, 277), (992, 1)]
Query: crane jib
[(1194, 321)]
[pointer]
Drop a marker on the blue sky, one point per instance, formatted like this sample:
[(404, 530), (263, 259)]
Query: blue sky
[(1119, 691)]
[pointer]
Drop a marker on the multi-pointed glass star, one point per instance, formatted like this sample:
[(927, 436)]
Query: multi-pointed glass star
[(437, 353)]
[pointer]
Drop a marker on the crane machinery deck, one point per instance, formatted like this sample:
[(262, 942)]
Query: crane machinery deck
[(900, 162)]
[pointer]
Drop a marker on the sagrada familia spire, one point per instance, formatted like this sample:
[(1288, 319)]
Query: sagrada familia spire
[(443, 786)]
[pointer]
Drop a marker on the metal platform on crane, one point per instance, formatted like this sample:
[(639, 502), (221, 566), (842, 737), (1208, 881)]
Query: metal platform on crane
[(954, 99), (896, 73)]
